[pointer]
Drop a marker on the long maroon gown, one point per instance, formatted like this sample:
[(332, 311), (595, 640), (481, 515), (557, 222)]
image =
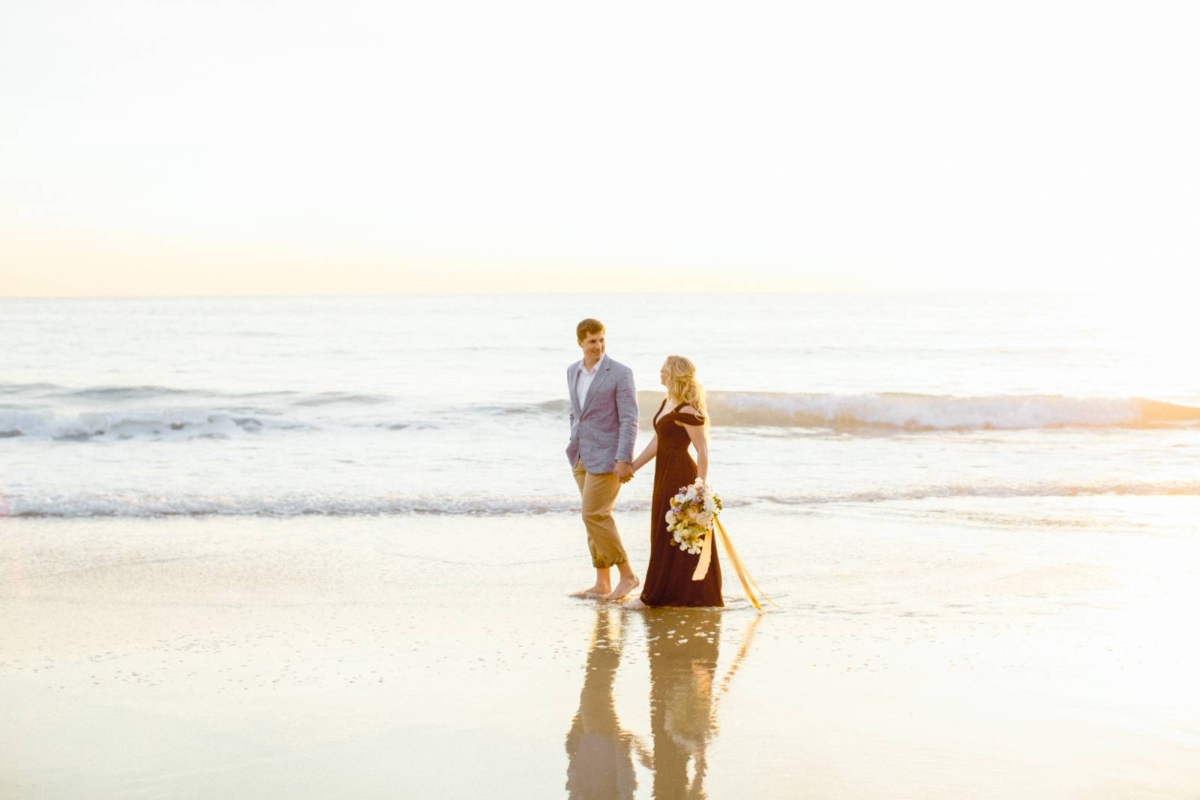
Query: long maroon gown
[(669, 575)]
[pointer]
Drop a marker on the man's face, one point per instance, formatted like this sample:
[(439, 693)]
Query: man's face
[(592, 346)]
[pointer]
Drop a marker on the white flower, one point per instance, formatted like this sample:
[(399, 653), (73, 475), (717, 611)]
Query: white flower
[(691, 516)]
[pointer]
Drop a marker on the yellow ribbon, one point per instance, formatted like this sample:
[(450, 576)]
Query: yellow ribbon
[(705, 556), (740, 568)]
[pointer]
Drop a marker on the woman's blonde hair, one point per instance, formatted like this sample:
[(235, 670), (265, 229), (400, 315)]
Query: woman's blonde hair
[(682, 384)]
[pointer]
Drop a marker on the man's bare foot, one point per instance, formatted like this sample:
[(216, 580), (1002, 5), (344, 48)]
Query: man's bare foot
[(635, 604), (595, 591), (624, 587)]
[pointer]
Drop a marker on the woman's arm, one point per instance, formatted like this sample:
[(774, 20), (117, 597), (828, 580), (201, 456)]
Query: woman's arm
[(699, 437), (647, 455)]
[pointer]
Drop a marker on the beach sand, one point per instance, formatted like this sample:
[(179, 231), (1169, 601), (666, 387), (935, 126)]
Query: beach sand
[(439, 656)]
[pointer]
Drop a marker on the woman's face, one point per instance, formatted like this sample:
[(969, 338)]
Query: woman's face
[(663, 375)]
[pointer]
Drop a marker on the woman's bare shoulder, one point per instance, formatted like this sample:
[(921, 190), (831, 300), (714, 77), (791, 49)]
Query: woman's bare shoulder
[(689, 417)]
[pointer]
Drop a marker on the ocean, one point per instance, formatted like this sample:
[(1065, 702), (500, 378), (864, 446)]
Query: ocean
[(1023, 410)]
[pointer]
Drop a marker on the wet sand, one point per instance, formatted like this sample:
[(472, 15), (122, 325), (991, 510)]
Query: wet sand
[(427, 656)]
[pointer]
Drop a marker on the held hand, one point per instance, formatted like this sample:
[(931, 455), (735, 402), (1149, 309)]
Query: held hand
[(624, 471)]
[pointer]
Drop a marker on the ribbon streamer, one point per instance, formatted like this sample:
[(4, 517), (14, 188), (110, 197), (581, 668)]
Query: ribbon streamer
[(740, 568), (705, 556)]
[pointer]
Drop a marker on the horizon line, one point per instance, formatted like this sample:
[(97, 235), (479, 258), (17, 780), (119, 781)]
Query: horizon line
[(570, 293)]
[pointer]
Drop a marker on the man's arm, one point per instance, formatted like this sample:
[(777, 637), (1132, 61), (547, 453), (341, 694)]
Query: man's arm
[(627, 418), (571, 395)]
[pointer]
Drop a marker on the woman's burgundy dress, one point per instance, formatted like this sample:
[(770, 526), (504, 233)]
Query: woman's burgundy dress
[(669, 575)]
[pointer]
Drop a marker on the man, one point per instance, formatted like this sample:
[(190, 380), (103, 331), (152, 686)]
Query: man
[(604, 423)]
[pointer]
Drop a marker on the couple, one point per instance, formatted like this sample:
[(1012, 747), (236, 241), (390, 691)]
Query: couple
[(604, 424)]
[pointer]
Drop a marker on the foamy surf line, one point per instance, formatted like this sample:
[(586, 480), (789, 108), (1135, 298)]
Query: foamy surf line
[(127, 505), (84, 506)]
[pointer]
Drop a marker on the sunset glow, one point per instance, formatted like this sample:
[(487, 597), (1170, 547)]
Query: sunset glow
[(173, 149)]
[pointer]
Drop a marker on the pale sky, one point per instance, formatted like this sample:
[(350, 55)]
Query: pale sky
[(171, 148)]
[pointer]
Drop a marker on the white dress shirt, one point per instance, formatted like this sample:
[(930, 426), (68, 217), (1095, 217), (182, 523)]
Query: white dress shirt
[(583, 383)]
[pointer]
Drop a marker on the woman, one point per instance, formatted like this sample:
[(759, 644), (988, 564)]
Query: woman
[(679, 423)]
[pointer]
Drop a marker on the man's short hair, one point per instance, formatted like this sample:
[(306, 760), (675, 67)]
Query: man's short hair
[(586, 327)]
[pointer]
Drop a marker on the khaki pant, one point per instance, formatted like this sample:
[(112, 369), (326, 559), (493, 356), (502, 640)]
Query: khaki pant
[(599, 493)]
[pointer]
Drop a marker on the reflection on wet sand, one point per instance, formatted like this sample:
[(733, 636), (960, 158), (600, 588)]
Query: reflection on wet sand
[(682, 646), (599, 759)]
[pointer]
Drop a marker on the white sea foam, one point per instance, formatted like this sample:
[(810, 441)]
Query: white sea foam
[(127, 504), (1018, 490), (125, 424), (286, 505)]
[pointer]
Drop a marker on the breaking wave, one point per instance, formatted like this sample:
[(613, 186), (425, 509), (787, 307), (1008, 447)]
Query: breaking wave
[(182, 423), (105, 413), (917, 412)]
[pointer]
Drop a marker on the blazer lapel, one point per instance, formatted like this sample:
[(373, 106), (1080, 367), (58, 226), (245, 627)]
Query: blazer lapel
[(596, 384), (575, 389)]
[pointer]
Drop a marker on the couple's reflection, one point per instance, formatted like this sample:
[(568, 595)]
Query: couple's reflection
[(682, 646)]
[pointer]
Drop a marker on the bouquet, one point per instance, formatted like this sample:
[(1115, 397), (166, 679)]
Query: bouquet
[(692, 515)]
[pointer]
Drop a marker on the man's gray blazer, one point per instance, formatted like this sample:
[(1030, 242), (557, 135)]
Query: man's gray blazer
[(604, 428)]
